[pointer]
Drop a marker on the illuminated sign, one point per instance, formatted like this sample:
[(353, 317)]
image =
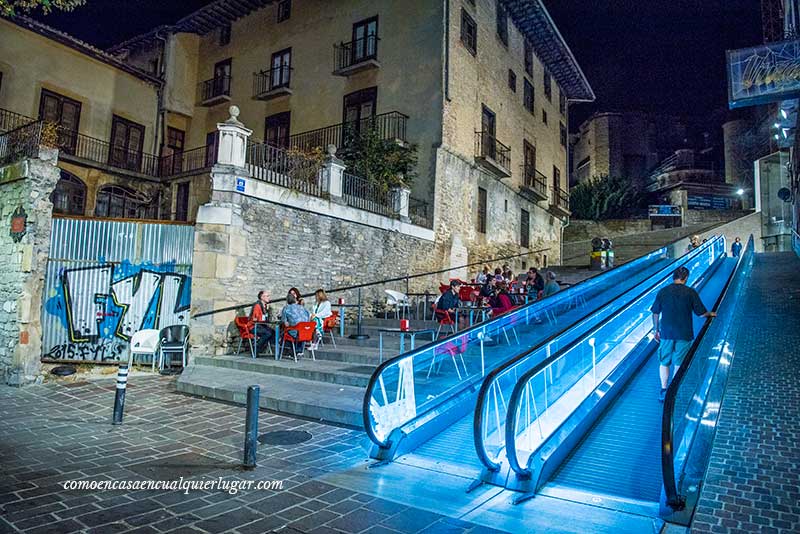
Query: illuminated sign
[(664, 210), (762, 74)]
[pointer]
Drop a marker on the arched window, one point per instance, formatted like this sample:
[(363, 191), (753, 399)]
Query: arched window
[(69, 196), (123, 203)]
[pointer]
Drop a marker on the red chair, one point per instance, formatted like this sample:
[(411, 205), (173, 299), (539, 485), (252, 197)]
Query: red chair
[(243, 325), (444, 319), (444, 288), (329, 324), (305, 334)]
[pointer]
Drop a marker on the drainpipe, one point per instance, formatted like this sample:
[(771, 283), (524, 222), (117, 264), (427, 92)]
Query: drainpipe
[(569, 177), (161, 128), (447, 50)]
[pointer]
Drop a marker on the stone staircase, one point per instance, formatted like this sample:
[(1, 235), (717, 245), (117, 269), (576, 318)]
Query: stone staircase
[(330, 389)]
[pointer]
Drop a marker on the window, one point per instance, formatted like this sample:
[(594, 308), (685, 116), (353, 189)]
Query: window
[(123, 203), (284, 10), (69, 196), (563, 131), (172, 153), (505, 205), (469, 32), (548, 86), (562, 103), (529, 162), (481, 210), (365, 40), (280, 73), (527, 97), (127, 141), (65, 113), (502, 23), (358, 110), (225, 35), (528, 58), (488, 126), (512, 81), (221, 84), (556, 178), (524, 228), (211, 148), (544, 116), (276, 129), (182, 202)]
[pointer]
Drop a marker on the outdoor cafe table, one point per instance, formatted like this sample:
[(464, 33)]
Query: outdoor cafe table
[(342, 310), (412, 332), (268, 324), (472, 309)]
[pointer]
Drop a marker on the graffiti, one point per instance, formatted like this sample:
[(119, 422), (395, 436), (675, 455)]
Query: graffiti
[(101, 307)]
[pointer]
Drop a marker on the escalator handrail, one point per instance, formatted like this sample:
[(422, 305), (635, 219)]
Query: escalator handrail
[(561, 295), (674, 500), (511, 455), (488, 380)]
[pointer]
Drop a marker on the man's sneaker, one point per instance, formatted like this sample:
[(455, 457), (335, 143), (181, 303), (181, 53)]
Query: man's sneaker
[(662, 395)]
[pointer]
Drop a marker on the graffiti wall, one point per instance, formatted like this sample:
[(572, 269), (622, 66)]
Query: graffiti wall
[(107, 280)]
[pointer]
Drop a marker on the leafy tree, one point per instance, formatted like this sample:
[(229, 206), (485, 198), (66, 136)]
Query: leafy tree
[(606, 197), (14, 7), (380, 161)]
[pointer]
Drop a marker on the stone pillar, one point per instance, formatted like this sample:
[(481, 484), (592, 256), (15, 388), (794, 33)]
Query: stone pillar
[(233, 137), (398, 200), (331, 173)]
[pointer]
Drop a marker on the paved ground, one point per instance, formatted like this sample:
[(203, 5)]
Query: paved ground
[(753, 479), (57, 432)]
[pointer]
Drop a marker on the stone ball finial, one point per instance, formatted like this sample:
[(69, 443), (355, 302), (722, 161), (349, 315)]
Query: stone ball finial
[(234, 111), (331, 150)]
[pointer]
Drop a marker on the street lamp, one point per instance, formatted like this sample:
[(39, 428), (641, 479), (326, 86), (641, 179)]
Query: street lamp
[(740, 191)]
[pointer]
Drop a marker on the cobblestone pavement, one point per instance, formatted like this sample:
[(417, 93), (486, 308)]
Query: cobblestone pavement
[(753, 479), (61, 431)]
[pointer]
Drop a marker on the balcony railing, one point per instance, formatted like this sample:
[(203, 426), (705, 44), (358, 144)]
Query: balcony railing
[(272, 82), (420, 212), (494, 153), (20, 143), (82, 147), (389, 126), (188, 161), (355, 55), (534, 184), (560, 201), (363, 194), (215, 90), (283, 168), (10, 120)]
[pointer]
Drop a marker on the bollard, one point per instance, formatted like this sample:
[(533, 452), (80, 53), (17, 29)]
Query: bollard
[(119, 399), (251, 428)]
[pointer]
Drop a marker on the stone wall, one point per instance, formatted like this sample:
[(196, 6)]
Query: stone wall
[(582, 230), (28, 185)]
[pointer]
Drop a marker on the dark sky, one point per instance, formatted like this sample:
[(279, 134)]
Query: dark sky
[(656, 55)]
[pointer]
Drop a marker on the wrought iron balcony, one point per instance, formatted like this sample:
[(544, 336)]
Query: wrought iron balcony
[(356, 55), (559, 202), (215, 91), (272, 83), (534, 185), (389, 126), (492, 154)]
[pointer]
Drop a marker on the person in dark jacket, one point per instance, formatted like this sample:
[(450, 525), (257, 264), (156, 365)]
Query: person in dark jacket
[(449, 301), (535, 281), (736, 247)]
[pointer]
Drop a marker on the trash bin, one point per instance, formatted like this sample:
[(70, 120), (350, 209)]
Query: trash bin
[(597, 258)]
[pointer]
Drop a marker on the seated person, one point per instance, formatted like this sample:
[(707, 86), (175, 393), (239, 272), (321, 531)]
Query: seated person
[(321, 311), (260, 313), (448, 302), (294, 291), (483, 275), (535, 282), (501, 302), (551, 287), (292, 314)]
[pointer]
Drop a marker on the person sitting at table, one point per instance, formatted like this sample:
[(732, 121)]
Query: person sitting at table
[(292, 314), (260, 314), (321, 311), (551, 287), (501, 302), (448, 302), (296, 293), (535, 282), (483, 275), (487, 290)]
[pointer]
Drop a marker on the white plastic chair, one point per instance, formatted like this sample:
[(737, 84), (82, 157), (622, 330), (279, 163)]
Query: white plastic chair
[(398, 300), (145, 342)]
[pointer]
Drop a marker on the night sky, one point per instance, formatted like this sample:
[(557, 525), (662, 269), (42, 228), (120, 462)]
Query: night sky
[(652, 55)]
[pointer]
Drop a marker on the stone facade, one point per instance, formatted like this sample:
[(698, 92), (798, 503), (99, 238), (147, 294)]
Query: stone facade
[(22, 264)]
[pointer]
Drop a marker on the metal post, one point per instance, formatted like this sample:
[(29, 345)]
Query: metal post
[(359, 334), (251, 427), (119, 398)]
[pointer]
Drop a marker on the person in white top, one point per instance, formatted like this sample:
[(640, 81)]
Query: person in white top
[(483, 276), (321, 311)]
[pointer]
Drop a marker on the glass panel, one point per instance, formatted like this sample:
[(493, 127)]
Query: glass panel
[(546, 399)]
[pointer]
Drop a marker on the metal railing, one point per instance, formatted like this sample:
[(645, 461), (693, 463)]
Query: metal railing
[(677, 162), (187, 161), (535, 180), (560, 199), (686, 398), (215, 87), (20, 143), (346, 55), (365, 195), (420, 212), (487, 146), (389, 126), (268, 80), (10, 120), (281, 167)]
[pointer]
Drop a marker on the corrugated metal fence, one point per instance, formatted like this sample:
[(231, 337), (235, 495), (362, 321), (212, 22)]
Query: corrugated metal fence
[(107, 279)]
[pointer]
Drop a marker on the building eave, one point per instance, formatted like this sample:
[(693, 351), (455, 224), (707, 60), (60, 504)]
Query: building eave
[(218, 14), (532, 18)]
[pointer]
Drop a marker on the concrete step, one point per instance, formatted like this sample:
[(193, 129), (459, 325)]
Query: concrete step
[(330, 371), (319, 401)]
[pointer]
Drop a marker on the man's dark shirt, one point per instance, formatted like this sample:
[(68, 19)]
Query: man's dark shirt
[(538, 282), (448, 301), (675, 303), (487, 290)]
